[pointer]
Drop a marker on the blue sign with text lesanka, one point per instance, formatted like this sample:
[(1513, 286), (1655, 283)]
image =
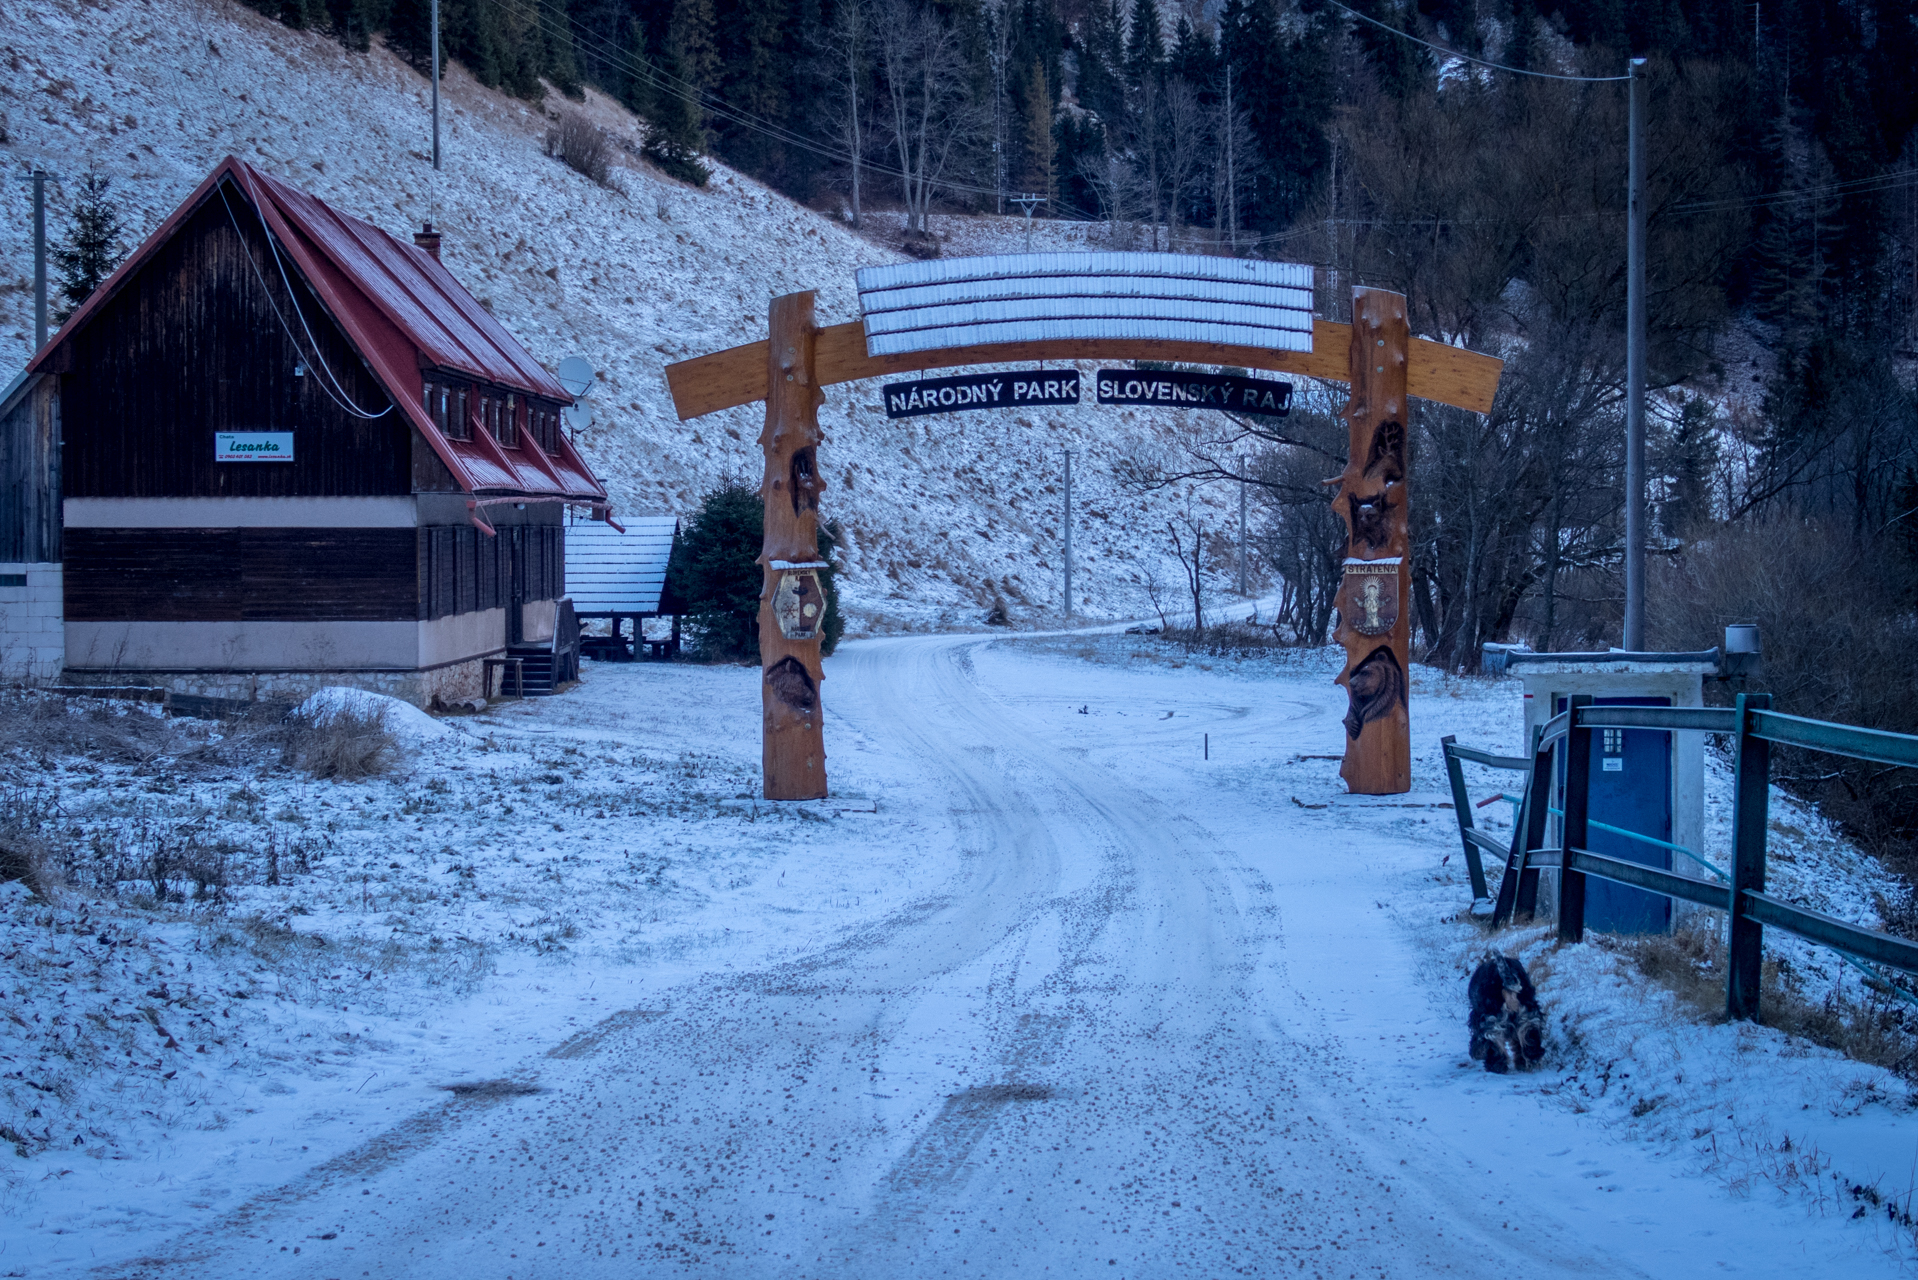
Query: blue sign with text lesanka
[(253, 446), (1015, 390), (1234, 393)]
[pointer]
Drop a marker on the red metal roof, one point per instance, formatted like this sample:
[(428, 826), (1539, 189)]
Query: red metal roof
[(402, 311)]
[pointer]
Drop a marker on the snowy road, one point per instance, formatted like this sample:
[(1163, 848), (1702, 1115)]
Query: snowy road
[(1151, 1022)]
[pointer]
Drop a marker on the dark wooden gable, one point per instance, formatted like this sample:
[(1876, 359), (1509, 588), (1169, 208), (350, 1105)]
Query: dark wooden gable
[(196, 342)]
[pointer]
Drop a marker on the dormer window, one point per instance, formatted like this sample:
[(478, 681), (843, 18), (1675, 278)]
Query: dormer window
[(507, 431)]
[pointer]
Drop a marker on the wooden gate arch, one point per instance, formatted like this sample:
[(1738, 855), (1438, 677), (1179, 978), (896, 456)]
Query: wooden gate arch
[(1006, 309)]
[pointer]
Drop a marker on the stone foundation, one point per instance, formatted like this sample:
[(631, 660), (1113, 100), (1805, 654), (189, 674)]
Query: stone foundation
[(451, 683)]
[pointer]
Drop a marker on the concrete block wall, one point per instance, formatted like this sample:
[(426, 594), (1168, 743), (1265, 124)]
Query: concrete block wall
[(33, 642)]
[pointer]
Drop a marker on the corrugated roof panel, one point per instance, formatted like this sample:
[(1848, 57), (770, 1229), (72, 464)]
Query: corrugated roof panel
[(1006, 310), (1010, 265), (1080, 286), (1025, 297), (980, 335), (612, 572)]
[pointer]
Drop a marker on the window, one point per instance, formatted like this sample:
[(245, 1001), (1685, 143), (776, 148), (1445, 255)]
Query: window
[(508, 433), (456, 424)]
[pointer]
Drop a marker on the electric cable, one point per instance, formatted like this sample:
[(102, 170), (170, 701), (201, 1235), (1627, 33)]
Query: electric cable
[(1466, 57), (318, 358)]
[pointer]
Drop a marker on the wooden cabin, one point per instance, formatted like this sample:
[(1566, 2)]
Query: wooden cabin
[(299, 453), (32, 645)]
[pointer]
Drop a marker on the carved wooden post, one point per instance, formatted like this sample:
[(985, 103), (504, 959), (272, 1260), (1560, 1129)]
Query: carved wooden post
[(791, 607), (1375, 596)]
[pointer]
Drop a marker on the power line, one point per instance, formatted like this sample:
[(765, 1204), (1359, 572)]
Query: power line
[(1466, 57), (318, 357)]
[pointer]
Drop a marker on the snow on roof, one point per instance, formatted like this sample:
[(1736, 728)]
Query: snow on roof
[(402, 310), (1029, 297), (611, 572)]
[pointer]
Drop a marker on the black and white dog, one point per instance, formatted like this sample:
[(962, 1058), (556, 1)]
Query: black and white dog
[(1508, 1027)]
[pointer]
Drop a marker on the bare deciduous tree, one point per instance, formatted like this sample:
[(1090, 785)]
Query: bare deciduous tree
[(929, 103)]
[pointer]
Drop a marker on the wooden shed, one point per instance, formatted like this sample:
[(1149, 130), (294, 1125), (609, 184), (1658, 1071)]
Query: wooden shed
[(298, 452), (620, 574)]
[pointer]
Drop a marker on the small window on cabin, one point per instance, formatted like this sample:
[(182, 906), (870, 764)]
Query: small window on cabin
[(456, 424), (509, 425), (426, 396)]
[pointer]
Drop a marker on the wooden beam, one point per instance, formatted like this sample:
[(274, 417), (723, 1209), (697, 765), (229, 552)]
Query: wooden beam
[(737, 375)]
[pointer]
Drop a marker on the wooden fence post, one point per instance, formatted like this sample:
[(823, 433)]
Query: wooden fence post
[(1578, 790), (1374, 600), (1751, 805), (791, 608)]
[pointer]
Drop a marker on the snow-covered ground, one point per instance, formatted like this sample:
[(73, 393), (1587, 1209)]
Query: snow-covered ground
[(558, 998), (941, 513)]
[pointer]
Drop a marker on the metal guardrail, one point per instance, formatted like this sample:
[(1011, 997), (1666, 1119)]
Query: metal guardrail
[(1754, 727)]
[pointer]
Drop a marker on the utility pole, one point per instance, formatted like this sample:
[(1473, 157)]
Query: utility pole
[(1068, 528), (1027, 201), (436, 84), (1634, 638), (1242, 465), (39, 259)]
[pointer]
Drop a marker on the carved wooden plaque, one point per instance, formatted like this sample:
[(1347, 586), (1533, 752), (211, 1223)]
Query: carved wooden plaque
[(1369, 596)]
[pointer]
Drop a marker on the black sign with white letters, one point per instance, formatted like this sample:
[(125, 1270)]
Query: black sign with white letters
[(981, 391), (1175, 390)]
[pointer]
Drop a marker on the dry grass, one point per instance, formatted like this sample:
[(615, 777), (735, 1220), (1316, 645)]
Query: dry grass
[(343, 744), (1691, 963), (48, 725), (27, 854)]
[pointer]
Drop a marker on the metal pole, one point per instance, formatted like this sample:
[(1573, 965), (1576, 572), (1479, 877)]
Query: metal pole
[(1068, 527), (1635, 370), (436, 83), (39, 259), (1242, 590)]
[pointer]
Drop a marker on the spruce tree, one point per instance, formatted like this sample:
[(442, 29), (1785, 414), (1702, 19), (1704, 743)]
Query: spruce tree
[(636, 83), (92, 248), (1145, 44), (674, 138)]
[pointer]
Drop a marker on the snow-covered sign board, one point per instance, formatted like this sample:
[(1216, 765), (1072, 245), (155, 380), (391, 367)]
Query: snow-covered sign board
[(253, 446), (1178, 390), (609, 572), (1035, 297), (1014, 390)]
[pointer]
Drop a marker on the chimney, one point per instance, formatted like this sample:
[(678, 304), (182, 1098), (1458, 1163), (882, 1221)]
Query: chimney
[(428, 239)]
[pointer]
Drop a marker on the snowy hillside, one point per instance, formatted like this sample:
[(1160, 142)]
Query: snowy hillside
[(939, 511)]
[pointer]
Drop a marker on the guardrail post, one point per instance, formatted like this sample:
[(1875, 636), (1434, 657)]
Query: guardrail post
[(1462, 801), (1750, 815), (1578, 788), (1538, 808)]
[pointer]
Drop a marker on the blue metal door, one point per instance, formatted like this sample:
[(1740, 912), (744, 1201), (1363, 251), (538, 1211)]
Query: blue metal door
[(1632, 790)]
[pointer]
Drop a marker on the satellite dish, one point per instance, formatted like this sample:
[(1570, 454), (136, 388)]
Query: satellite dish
[(576, 375), (578, 417)]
